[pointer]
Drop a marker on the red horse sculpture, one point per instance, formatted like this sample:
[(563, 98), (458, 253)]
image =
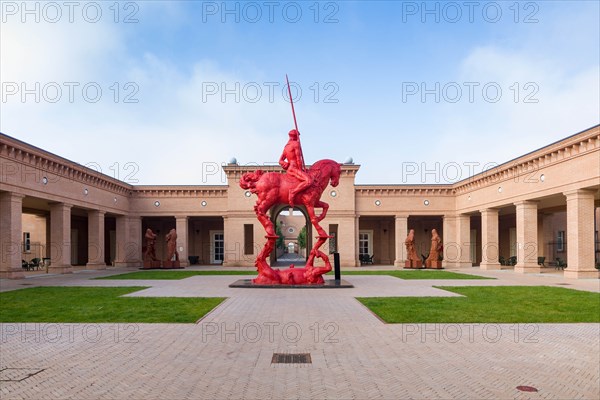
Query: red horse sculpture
[(274, 188)]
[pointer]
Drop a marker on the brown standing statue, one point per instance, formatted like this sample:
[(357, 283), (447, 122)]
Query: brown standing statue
[(434, 253), (412, 259), (150, 254), (172, 246)]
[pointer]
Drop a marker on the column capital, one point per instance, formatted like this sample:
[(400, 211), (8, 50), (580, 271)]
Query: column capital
[(489, 211), (12, 195), (526, 203), (100, 212), (182, 217), (59, 204), (579, 193), (400, 216)]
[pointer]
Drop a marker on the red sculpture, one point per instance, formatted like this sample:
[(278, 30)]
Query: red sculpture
[(297, 186), (274, 188)]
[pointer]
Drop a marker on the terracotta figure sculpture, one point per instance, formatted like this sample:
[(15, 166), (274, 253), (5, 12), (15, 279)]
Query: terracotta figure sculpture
[(150, 254), (412, 259), (434, 253), (172, 246)]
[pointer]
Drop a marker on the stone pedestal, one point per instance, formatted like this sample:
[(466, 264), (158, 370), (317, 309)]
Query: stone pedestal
[(416, 264), (171, 264), (434, 265), (151, 264)]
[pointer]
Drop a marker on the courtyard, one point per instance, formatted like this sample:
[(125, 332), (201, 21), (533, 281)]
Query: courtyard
[(231, 351)]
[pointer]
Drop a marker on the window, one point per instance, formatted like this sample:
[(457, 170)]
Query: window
[(248, 239), (365, 244), (560, 241), (26, 242)]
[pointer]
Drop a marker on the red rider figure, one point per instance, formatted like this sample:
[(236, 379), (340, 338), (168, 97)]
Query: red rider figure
[(294, 164)]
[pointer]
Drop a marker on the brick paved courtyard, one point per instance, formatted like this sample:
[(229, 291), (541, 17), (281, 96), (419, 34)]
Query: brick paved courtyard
[(228, 354)]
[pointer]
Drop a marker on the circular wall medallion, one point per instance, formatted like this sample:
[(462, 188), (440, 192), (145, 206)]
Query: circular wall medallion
[(333, 193), (247, 193), (157, 203), (85, 192), (203, 203), (500, 189), (377, 203), (115, 199), (45, 180), (426, 202), (291, 230), (542, 177)]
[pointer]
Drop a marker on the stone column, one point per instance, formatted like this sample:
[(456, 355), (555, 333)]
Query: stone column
[(181, 226), (401, 230), (527, 238), (128, 241), (457, 241), (121, 229), (490, 245), (134, 241), (60, 244), (11, 209), (96, 240), (463, 239), (356, 247), (580, 235)]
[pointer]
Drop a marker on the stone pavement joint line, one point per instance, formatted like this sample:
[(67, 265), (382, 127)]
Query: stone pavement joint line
[(228, 353)]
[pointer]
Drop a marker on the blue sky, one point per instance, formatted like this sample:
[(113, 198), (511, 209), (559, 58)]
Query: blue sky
[(362, 68)]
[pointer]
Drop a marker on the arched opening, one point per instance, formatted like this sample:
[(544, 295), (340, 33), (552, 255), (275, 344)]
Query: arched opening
[(289, 224)]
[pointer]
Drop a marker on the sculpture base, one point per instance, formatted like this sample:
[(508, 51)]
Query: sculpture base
[(413, 264), (172, 264), (328, 284), (151, 265), (433, 265)]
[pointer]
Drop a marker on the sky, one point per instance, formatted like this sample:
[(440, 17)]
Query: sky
[(165, 93)]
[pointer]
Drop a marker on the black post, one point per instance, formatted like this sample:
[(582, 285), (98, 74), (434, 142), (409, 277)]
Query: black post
[(336, 266)]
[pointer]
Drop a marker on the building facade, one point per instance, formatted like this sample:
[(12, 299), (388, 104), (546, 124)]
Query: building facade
[(542, 204)]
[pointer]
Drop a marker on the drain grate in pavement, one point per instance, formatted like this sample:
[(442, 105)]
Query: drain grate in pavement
[(527, 389), (288, 358), (18, 374)]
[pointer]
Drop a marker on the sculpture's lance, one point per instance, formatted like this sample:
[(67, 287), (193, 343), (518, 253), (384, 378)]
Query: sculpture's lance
[(295, 122)]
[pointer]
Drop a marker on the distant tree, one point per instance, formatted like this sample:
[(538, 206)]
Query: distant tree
[(302, 238), (280, 243)]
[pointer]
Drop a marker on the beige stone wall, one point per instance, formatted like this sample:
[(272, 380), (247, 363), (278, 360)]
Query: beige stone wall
[(33, 178)]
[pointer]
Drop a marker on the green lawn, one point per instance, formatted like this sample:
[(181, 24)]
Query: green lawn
[(168, 275), (99, 304), (417, 274), (499, 304)]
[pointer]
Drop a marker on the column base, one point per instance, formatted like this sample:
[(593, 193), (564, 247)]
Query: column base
[(528, 268), (582, 274), (451, 265), (134, 264), (14, 274), (95, 266), (60, 269), (490, 266), (413, 264)]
